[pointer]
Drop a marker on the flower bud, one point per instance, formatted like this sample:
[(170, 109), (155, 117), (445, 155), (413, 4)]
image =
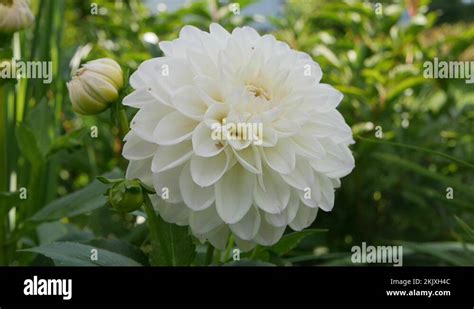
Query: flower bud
[(126, 196), (15, 15), (95, 86)]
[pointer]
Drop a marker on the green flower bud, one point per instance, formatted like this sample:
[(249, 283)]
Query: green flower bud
[(15, 15), (126, 196), (95, 86)]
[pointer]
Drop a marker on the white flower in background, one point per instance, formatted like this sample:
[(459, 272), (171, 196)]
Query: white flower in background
[(95, 86), (252, 190), (15, 15)]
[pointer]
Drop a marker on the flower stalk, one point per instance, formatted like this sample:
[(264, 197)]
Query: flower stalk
[(156, 240)]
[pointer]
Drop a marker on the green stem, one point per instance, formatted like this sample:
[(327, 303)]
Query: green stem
[(209, 254), (156, 240), (122, 118), (228, 251), (371, 140), (3, 172)]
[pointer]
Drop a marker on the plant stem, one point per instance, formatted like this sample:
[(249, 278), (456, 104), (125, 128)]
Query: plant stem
[(3, 171), (122, 118), (156, 239), (209, 254)]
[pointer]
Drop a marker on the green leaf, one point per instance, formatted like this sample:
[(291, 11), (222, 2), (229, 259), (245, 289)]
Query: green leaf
[(290, 241), (76, 254), (176, 247), (79, 202), (403, 85), (452, 253), (40, 120), (172, 245), (120, 247), (28, 145), (249, 263), (420, 170), (467, 229)]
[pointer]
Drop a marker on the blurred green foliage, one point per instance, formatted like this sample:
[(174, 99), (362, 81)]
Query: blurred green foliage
[(396, 194)]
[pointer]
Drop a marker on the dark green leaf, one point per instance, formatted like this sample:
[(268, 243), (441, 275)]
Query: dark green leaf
[(290, 241), (76, 254), (79, 202), (28, 145)]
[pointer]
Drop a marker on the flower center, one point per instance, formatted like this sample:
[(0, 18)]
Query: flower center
[(258, 92)]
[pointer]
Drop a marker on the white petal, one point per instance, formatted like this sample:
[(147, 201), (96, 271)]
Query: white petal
[(173, 129), (276, 195), (204, 221), (268, 234), (281, 157), (146, 119), (219, 32), (172, 213), (168, 157), (304, 217), (203, 143), (139, 98), (338, 161), (308, 146), (244, 245), (195, 197), (234, 194), (207, 171), (140, 169), (187, 100), (218, 237), (327, 192), (136, 148), (302, 176), (248, 226), (167, 185), (250, 159), (288, 215)]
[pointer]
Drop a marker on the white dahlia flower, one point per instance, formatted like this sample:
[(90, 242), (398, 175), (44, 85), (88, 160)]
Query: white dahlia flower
[(15, 15), (237, 135)]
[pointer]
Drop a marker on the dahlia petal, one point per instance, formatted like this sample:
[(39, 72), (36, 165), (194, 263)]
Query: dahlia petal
[(207, 171), (140, 169), (173, 213), (173, 129), (250, 159), (327, 192), (304, 217), (308, 146), (204, 221), (281, 158), (166, 184), (218, 237), (276, 195), (168, 157), (219, 32), (208, 89), (287, 215), (301, 177), (248, 226), (195, 197), (244, 245), (146, 120), (203, 143), (187, 101), (268, 234), (233, 194), (338, 161), (136, 148)]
